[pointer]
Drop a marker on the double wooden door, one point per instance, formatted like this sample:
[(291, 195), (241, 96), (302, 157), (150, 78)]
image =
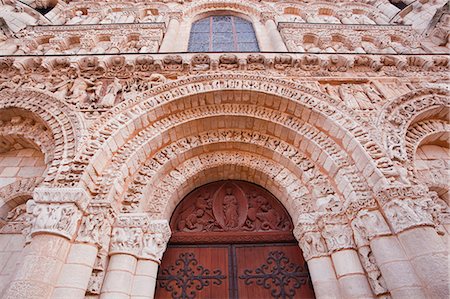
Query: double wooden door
[(244, 271)]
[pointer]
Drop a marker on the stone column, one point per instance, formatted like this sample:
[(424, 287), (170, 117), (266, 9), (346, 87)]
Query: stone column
[(55, 214), (408, 210), (93, 235), (170, 38), (276, 40), (316, 255), (154, 245), (383, 258), (338, 236)]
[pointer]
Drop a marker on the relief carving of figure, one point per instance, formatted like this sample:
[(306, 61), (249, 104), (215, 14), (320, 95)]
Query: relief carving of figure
[(197, 217), (113, 92), (230, 209)]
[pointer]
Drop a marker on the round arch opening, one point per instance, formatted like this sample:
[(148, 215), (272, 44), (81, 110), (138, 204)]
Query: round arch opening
[(232, 239)]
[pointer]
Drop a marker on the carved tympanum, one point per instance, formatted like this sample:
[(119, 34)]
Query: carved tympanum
[(230, 207)]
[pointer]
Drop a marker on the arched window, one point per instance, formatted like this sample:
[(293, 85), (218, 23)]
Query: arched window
[(222, 34)]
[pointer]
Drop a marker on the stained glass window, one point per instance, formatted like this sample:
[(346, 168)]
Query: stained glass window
[(223, 34)]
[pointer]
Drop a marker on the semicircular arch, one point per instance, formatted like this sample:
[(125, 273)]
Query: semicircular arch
[(62, 122)]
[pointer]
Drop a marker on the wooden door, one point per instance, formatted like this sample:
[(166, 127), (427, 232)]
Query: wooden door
[(244, 271)]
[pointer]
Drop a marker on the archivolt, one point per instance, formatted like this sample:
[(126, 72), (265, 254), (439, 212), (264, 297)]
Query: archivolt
[(166, 161), (299, 136), (419, 131), (399, 114), (63, 123), (215, 166), (15, 194), (199, 7), (30, 130), (297, 102)]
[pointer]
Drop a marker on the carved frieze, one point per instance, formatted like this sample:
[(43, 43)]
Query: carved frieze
[(360, 38)]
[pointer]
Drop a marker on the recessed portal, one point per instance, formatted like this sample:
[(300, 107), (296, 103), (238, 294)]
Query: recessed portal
[(232, 239)]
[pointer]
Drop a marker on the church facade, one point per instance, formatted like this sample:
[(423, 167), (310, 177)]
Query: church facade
[(224, 149)]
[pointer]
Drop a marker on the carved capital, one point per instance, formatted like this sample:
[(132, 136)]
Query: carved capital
[(127, 235), (266, 16), (306, 222), (126, 240), (338, 236), (367, 225), (155, 240), (313, 245), (176, 15), (57, 218), (385, 194), (95, 227), (403, 214), (77, 196)]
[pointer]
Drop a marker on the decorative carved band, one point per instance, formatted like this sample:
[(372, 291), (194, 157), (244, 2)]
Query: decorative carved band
[(77, 196)]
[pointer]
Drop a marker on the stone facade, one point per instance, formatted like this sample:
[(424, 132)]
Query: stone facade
[(107, 123)]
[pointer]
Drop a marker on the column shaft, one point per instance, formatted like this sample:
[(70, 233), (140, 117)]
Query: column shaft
[(170, 39), (76, 272), (119, 277), (323, 278), (429, 256), (351, 275), (144, 283), (275, 37), (399, 275), (42, 262)]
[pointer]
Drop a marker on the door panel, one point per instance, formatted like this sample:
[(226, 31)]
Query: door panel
[(194, 272), (276, 271), (244, 271)]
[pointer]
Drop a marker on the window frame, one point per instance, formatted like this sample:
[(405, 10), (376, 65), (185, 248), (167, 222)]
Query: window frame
[(234, 35)]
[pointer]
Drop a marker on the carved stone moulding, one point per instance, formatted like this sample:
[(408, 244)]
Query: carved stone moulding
[(230, 210), (48, 195)]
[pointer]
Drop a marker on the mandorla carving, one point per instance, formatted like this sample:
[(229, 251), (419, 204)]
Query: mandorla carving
[(59, 219)]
